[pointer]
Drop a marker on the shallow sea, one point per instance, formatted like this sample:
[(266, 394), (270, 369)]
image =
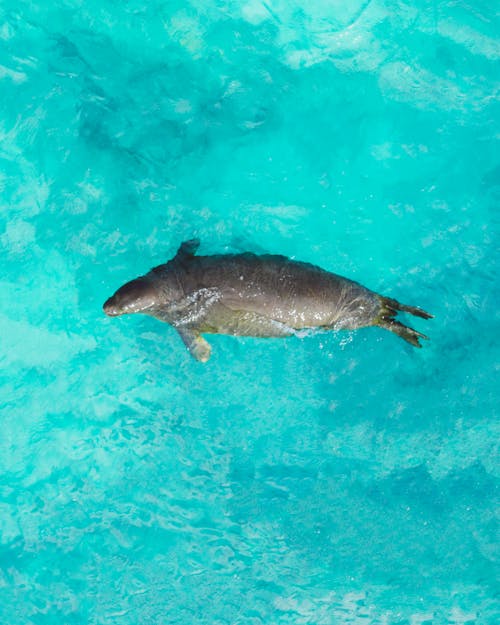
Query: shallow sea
[(333, 479)]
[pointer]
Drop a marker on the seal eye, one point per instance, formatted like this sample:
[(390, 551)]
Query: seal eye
[(133, 297)]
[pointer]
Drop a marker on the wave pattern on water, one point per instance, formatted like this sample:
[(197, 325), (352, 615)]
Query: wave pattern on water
[(327, 478)]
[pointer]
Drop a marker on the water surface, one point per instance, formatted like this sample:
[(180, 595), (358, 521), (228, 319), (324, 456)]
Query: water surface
[(332, 479)]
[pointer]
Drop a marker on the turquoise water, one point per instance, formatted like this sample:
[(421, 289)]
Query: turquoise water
[(338, 478)]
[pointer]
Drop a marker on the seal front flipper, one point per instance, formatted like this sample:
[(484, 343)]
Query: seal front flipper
[(187, 249), (198, 347)]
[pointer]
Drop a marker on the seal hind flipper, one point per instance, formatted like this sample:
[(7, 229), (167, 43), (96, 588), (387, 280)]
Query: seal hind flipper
[(197, 346), (389, 309), (405, 332), (392, 306)]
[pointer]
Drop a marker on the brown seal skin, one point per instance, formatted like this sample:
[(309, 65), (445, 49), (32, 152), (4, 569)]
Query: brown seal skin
[(251, 295)]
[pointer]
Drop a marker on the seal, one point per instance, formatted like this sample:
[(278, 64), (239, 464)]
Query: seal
[(254, 295)]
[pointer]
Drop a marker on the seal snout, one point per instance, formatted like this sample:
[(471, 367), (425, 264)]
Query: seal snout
[(110, 307), (133, 297)]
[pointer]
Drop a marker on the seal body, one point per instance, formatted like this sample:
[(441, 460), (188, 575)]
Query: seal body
[(253, 295)]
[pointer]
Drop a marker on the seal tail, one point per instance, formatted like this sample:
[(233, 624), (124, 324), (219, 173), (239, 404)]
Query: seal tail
[(386, 319)]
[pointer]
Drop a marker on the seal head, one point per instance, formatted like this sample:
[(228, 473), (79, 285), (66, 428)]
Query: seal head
[(138, 295)]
